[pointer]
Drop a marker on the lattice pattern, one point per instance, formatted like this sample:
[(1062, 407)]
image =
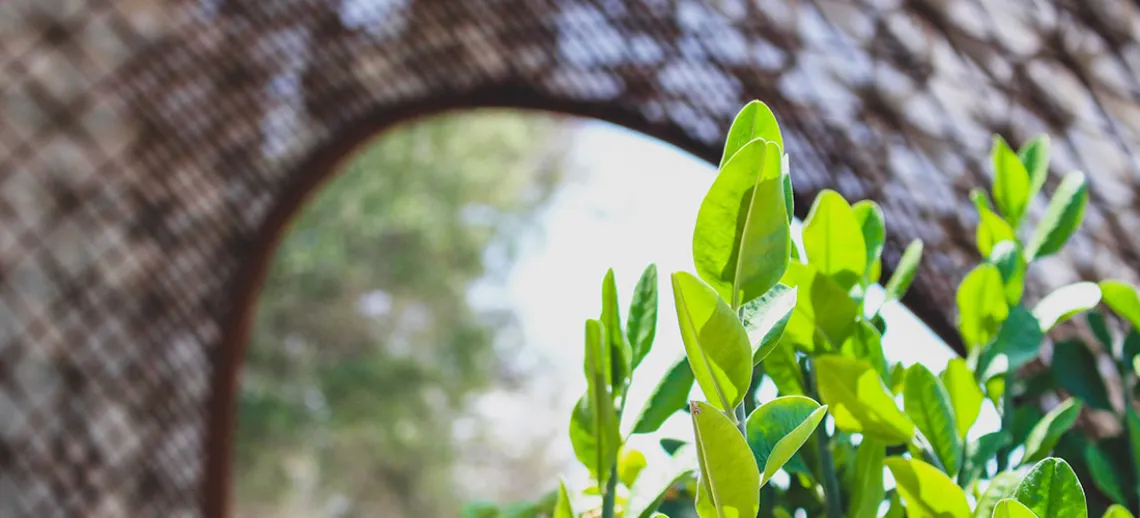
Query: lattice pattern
[(150, 151)]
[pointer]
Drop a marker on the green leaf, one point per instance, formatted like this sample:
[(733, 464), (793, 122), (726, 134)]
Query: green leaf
[(599, 373), (789, 198), (965, 394), (641, 325), (1104, 475), (1122, 298), (1002, 486), (867, 344), (753, 121), (1010, 508), (1035, 156), (1011, 182), (730, 480), (597, 451), (648, 493), (630, 464), (860, 402), (991, 231), (869, 216), (904, 271), (1017, 343), (620, 351), (563, 509), (867, 492), (927, 491), (784, 370), (778, 428), (895, 509), (1074, 368), (824, 314), (978, 453), (765, 319), (833, 239), (981, 305), (1130, 349), (1117, 511), (480, 509), (1045, 434), (1051, 490), (1064, 302), (1099, 328), (1132, 425), (1062, 217), (715, 342), (1006, 255), (742, 240), (928, 405), (670, 397)]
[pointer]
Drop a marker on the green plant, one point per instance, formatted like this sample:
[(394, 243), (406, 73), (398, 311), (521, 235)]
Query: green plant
[(757, 308)]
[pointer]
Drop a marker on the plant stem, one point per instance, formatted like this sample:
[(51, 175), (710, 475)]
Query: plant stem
[(826, 463), (609, 499), (740, 421), (1006, 420)]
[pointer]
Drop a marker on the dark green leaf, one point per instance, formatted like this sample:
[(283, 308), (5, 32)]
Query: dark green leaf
[(978, 453), (641, 325), (1051, 490), (929, 407), (1064, 214), (1017, 343), (866, 344), (1099, 328), (1074, 368), (1131, 349), (670, 396), (867, 481), (1045, 434), (1104, 475), (1002, 486)]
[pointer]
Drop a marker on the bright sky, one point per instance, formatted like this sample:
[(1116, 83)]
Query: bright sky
[(632, 201)]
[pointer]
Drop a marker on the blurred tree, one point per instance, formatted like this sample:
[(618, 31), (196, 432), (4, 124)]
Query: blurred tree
[(365, 347)]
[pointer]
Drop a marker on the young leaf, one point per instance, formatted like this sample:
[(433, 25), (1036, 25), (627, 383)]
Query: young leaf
[(867, 492), (620, 351), (824, 315), (630, 465), (730, 480), (595, 437), (742, 239), (715, 342), (1104, 475), (1010, 508), (1117, 511), (981, 305), (869, 216), (991, 231), (641, 325), (928, 405), (1002, 486), (1011, 182), (1007, 256), (1045, 434), (765, 319), (778, 428), (670, 397), (965, 394), (927, 491), (978, 453), (904, 271), (1065, 302), (833, 239), (1122, 298), (1062, 217), (563, 509), (647, 494), (1074, 368), (867, 344), (1051, 490), (859, 401), (1035, 156), (753, 121)]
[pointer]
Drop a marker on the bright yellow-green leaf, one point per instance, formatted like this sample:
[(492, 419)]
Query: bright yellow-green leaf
[(867, 344), (1035, 155), (904, 271), (620, 351), (641, 325), (670, 397), (869, 216), (991, 231), (715, 342), (778, 428), (1064, 302), (729, 481), (1051, 490), (1002, 486), (649, 491), (1117, 511), (1011, 183), (927, 491), (875, 271), (1123, 299), (981, 305), (765, 319), (742, 240), (630, 465), (928, 405), (562, 508), (833, 239), (1064, 214), (824, 316), (965, 394), (1010, 508), (1006, 255), (1045, 434), (859, 401), (867, 492), (753, 121)]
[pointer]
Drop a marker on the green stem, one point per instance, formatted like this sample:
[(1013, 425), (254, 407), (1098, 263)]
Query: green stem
[(740, 421), (609, 499), (1126, 381), (1006, 420), (826, 463)]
